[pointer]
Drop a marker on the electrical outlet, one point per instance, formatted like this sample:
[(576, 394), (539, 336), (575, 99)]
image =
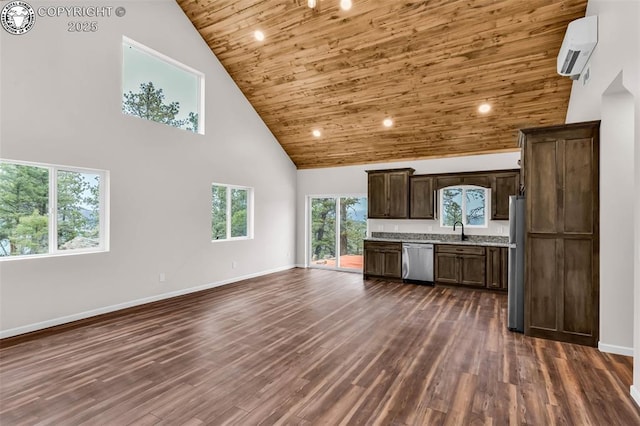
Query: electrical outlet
[(395, 228), (429, 228), (234, 264), (380, 227), (162, 277)]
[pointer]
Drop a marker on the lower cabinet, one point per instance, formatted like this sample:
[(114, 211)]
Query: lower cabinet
[(382, 259), (467, 265), (463, 265), (497, 267)]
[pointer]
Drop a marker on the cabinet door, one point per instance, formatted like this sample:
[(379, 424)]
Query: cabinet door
[(542, 280), (377, 195), (494, 268), (497, 268), (421, 199), (392, 264), (477, 180), (504, 262), (503, 186), (472, 270), (543, 189), (373, 262), (579, 182), (447, 268), (398, 186), (578, 316), (445, 181)]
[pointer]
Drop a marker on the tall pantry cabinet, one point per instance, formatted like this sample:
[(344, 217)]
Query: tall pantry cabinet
[(561, 175)]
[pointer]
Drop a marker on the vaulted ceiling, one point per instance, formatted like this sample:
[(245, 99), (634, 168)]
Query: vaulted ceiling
[(428, 65)]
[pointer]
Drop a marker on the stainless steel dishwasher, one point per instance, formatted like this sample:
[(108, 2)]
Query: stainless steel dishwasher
[(417, 263)]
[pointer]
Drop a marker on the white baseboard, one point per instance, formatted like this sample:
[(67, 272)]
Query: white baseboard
[(105, 310), (615, 349), (635, 394)]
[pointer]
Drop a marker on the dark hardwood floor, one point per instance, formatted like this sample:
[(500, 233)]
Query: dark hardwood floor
[(311, 347)]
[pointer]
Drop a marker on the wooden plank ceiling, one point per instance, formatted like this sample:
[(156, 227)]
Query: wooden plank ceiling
[(426, 64)]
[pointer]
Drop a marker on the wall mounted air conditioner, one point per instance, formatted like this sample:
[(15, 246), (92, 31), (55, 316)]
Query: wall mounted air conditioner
[(578, 44)]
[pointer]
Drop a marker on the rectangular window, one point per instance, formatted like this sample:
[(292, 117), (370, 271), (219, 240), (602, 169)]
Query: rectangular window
[(158, 88), (47, 210), (231, 212), (465, 204)]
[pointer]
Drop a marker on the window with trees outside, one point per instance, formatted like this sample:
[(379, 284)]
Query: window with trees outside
[(47, 210), (231, 212), (465, 204), (337, 231), (158, 88)]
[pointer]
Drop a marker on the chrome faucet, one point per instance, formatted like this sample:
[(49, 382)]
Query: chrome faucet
[(462, 236)]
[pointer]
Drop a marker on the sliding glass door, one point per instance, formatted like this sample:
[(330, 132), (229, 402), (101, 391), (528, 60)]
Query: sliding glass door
[(338, 226)]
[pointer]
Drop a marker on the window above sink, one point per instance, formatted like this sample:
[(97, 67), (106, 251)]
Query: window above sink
[(465, 203)]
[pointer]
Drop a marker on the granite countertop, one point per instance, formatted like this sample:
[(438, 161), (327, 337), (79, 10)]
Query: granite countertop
[(474, 240)]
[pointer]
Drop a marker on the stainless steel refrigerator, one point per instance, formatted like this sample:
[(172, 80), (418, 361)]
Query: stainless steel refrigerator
[(515, 304)]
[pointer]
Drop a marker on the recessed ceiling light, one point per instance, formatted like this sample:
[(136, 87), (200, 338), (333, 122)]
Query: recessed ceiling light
[(311, 3), (345, 4), (259, 35), (387, 122), (484, 108), (317, 133)]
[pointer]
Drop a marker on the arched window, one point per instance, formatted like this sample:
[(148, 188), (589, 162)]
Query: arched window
[(466, 204)]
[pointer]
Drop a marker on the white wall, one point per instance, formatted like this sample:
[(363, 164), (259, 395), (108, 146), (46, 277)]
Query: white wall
[(352, 180), (618, 50), (616, 242), (61, 104)]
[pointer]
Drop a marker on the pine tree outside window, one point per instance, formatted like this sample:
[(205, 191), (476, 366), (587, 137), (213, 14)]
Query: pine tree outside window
[(161, 89), (466, 204), (231, 212), (51, 210)]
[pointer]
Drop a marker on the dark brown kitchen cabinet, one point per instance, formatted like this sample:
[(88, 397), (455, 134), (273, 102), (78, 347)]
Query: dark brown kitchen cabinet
[(477, 179), (562, 232), (503, 185), (399, 194), (382, 259), (462, 265), (497, 268), (482, 179), (444, 181), (447, 268), (421, 197), (388, 193)]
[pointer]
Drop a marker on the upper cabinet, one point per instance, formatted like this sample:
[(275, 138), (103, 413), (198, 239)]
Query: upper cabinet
[(503, 185), (399, 194), (388, 193), (482, 179), (422, 197)]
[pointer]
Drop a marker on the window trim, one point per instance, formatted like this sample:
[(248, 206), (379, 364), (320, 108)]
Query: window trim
[(487, 203), (52, 211), (250, 196), (148, 50)]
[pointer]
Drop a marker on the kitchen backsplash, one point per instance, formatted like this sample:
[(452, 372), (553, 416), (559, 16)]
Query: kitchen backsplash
[(441, 237), (418, 226)]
